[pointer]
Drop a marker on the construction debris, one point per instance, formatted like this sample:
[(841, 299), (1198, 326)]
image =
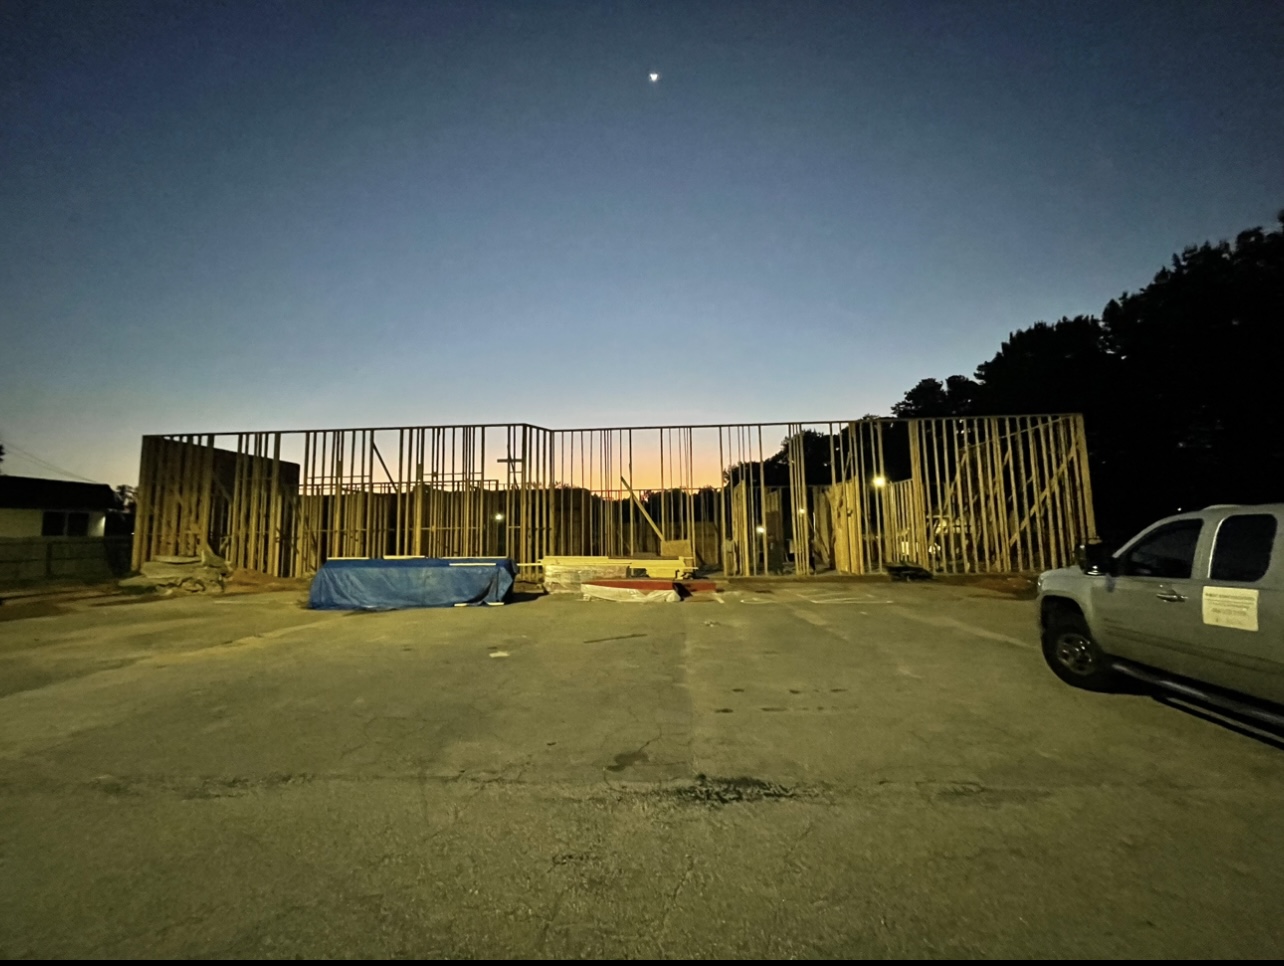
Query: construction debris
[(908, 571), (206, 573)]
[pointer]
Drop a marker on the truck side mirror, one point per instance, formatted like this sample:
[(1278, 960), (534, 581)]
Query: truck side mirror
[(1095, 559)]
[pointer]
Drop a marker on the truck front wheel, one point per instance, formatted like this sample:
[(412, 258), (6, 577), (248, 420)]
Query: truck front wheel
[(1074, 656)]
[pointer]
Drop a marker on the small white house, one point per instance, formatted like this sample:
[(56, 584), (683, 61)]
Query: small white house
[(35, 507)]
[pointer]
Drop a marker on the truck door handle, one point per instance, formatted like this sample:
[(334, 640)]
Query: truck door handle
[(1171, 597)]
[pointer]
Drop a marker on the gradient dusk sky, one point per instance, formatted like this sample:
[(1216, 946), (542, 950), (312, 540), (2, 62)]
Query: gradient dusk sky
[(261, 215)]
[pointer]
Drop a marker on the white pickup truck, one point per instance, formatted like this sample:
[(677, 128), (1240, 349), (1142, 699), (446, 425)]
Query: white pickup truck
[(1196, 599)]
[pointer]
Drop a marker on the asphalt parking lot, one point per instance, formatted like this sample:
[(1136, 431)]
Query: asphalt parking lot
[(819, 770)]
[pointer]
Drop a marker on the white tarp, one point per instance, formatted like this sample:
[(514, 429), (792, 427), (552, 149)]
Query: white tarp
[(630, 595), (569, 578)]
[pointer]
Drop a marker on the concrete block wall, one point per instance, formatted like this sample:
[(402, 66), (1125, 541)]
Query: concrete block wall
[(63, 558)]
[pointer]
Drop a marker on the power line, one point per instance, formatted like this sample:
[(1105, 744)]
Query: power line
[(8, 444)]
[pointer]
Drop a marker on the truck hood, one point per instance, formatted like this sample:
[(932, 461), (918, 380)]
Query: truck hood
[(1061, 572), (1061, 579)]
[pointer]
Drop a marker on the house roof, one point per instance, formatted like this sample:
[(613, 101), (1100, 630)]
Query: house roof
[(34, 493)]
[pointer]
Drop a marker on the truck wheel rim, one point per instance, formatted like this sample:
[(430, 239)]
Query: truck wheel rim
[(1075, 653)]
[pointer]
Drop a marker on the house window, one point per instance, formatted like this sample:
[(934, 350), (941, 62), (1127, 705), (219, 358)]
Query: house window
[(60, 523)]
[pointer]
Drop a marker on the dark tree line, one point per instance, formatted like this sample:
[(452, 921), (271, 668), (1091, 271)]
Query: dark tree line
[(816, 448), (1178, 384)]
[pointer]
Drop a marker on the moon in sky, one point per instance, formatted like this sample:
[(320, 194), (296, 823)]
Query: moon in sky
[(655, 76)]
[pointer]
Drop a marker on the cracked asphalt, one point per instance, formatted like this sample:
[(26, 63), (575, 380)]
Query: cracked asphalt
[(821, 770)]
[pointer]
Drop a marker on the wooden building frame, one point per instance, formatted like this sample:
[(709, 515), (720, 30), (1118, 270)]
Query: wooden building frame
[(994, 494)]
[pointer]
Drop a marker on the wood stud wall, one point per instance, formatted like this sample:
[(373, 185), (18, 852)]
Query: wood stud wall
[(958, 495)]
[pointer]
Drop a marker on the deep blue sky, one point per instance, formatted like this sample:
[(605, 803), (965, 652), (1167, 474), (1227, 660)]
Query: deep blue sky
[(263, 215)]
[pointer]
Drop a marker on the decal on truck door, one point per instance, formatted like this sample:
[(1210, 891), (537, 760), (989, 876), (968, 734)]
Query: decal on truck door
[(1231, 607)]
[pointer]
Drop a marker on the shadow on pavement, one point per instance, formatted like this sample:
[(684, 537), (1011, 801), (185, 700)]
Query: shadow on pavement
[(1240, 724)]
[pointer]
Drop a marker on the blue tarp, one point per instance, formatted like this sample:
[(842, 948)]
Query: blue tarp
[(421, 582)]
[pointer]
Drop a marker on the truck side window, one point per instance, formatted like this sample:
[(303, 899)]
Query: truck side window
[(1243, 547), (1168, 552)]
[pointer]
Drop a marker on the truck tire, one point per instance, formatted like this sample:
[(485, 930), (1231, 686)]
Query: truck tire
[(1074, 656)]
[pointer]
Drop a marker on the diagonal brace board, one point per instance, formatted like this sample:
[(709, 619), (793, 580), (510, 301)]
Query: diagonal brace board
[(658, 532)]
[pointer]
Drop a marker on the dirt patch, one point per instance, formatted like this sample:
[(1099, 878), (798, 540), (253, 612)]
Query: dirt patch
[(129, 599), (254, 582), (17, 612), (51, 590), (762, 582), (1020, 586)]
